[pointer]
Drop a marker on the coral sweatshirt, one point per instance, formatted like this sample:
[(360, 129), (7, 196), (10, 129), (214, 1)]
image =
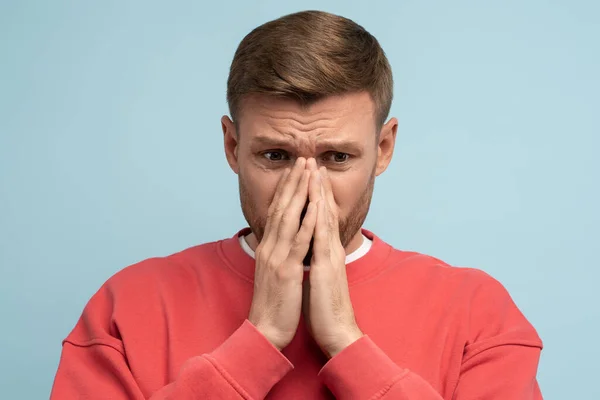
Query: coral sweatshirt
[(176, 328)]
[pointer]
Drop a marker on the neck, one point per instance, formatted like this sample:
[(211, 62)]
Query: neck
[(354, 243)]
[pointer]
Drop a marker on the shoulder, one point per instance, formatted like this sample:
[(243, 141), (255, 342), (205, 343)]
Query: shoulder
[(434, 271), (175, 268), (426, 268), (488, 312), (138, 290)]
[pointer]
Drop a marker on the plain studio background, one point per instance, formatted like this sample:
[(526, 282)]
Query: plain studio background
[(111, 152)]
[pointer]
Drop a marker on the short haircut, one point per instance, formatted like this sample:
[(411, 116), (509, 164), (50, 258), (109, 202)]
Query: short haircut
[(307, 56)]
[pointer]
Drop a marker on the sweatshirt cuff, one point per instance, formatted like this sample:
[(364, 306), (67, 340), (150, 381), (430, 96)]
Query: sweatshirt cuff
[(251, 361), (360, 371)]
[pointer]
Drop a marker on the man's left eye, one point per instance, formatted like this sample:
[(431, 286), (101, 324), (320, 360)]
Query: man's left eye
[(337, 157)]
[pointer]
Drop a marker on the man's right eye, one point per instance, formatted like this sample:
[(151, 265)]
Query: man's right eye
[(276, 155)]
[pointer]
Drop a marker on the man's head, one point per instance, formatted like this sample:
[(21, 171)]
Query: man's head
[(311, 85)]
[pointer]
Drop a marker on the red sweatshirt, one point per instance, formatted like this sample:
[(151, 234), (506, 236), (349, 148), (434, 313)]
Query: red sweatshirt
[(176, 328)]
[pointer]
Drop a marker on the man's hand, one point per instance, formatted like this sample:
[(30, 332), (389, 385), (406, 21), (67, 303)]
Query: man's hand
[(277, 299), (327, 306)]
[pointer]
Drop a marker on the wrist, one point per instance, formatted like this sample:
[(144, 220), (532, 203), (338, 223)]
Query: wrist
[(345, 340), (272, 336)]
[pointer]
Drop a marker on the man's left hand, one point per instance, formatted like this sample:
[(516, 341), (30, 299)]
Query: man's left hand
[(326, 300)]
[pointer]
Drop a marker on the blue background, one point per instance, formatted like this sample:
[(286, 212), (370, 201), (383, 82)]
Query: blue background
[(111, 152)]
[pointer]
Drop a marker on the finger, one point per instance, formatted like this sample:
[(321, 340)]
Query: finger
[(290, 219), (331, 205), (328, 188), (314, 190), (293, 179), (275, 200), (280, 204), (280, 186), (305, 234), (321, 246)]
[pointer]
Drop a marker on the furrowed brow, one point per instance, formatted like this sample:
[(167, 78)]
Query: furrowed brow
[(341, 145), (271, 142)]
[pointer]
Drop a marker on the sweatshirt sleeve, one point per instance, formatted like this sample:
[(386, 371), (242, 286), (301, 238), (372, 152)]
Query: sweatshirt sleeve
[(499, 360), (363, 371), (245, 366), (502, 353)]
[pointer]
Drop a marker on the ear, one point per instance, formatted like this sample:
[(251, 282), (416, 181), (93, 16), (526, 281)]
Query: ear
[(230, 141), (385, 147)]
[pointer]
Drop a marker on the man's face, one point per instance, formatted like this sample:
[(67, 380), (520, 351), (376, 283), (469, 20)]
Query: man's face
[(338, 132)]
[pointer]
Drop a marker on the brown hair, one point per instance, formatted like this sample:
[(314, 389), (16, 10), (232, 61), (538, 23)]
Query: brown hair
[(307, 56)]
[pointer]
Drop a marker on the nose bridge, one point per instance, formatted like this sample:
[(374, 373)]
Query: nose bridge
[(306, 144)]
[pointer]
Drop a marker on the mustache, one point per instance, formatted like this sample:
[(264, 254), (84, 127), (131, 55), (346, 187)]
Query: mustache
[(309, 253)]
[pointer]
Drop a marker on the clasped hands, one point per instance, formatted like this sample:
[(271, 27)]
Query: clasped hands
[(278, 299)]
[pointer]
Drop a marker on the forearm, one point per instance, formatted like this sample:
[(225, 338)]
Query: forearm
[(246, 365), (362, 371)]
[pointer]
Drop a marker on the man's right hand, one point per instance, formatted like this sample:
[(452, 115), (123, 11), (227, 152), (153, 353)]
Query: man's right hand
[(277, 299)]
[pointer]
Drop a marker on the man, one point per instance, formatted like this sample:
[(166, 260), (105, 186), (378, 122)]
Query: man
[(304, 304)]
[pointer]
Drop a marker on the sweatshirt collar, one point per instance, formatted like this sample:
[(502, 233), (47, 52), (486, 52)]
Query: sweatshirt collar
[(230, 250)]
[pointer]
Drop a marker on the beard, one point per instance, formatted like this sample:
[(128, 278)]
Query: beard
[(348, 225)]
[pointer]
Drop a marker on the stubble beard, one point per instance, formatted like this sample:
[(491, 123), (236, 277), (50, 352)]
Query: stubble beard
[(348, 225)]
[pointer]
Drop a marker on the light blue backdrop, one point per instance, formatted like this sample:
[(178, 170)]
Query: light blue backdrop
[(111, 152)]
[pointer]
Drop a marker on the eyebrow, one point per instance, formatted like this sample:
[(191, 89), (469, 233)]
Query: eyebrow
[(339, 144)]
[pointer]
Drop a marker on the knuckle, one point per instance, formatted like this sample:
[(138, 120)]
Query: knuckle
[(271, 264), (287, 217), (275, 211), (261, 258), (284, 275), (298, 241), (335, 214), (332, 223), (259, 251), (281, 274), (273, 261)]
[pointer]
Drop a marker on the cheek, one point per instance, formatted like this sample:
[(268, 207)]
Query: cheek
[(261, 186), (347, 190)]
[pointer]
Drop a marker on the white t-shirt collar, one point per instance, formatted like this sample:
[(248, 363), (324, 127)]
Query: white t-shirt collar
[(355, 255)]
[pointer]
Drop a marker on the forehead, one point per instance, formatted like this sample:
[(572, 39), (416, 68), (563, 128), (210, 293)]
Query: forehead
[(351, 114)]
